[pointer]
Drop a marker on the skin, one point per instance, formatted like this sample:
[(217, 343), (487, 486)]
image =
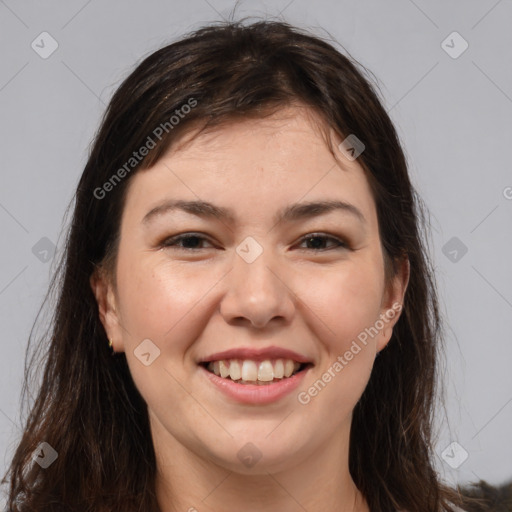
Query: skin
[(193, 303)]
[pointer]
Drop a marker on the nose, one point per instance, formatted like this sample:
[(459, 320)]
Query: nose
[(257, 293)]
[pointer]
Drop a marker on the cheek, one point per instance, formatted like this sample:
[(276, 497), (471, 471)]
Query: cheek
[(345, 302), (347, 306), (159, 300), (161, 303)]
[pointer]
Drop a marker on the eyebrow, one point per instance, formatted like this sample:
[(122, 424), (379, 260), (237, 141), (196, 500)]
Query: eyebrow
[(291, 213)]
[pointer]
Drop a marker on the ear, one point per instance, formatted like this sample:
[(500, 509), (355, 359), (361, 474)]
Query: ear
[(392, 302), (104, 291)]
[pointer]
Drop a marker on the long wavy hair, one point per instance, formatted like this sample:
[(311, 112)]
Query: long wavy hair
[(87, 407)]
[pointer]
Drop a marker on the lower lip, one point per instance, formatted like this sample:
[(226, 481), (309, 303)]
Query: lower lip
[(256, 394)]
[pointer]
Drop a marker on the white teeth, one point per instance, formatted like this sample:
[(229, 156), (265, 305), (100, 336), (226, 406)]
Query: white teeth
[(249, 370), (252, 371), (235, 372), (224, 369), (288, 367), (265, 371), (279, 369)]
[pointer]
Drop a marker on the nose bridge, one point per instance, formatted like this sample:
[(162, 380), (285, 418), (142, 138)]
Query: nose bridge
[(256, 289)]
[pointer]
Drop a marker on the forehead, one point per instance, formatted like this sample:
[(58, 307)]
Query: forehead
[(256, 166), (278, 132)]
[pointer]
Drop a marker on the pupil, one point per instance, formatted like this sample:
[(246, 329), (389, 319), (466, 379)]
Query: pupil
[(184, 240), (319, 242)]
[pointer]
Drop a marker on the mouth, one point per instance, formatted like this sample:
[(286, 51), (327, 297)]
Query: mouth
[(255, 372)]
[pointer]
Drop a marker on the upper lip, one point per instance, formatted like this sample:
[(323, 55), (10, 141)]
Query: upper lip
[(259, 354)]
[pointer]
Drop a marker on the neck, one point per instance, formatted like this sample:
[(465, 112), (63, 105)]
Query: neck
[(190, 482)]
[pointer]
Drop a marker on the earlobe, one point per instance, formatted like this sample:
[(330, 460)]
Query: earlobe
[(387, 330), (393, 305), (398, 286), (103, 291)]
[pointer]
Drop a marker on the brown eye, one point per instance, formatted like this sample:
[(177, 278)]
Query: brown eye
[(318, 240), (189, 241)]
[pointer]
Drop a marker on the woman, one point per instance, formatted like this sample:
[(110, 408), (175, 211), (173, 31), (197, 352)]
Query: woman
[(250, 366)]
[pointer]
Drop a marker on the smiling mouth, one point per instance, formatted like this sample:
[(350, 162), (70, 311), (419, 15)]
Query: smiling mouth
[(252, 372)]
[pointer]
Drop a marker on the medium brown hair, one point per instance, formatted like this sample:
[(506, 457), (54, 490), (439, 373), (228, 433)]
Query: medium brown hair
[(88, 408)]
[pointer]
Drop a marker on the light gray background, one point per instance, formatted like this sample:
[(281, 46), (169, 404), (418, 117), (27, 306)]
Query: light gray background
[(453, 115)]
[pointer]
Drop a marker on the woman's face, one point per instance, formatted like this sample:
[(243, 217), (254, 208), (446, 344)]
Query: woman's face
[(255, 282)]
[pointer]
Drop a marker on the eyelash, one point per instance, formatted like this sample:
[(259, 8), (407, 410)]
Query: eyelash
[(171, 242)]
